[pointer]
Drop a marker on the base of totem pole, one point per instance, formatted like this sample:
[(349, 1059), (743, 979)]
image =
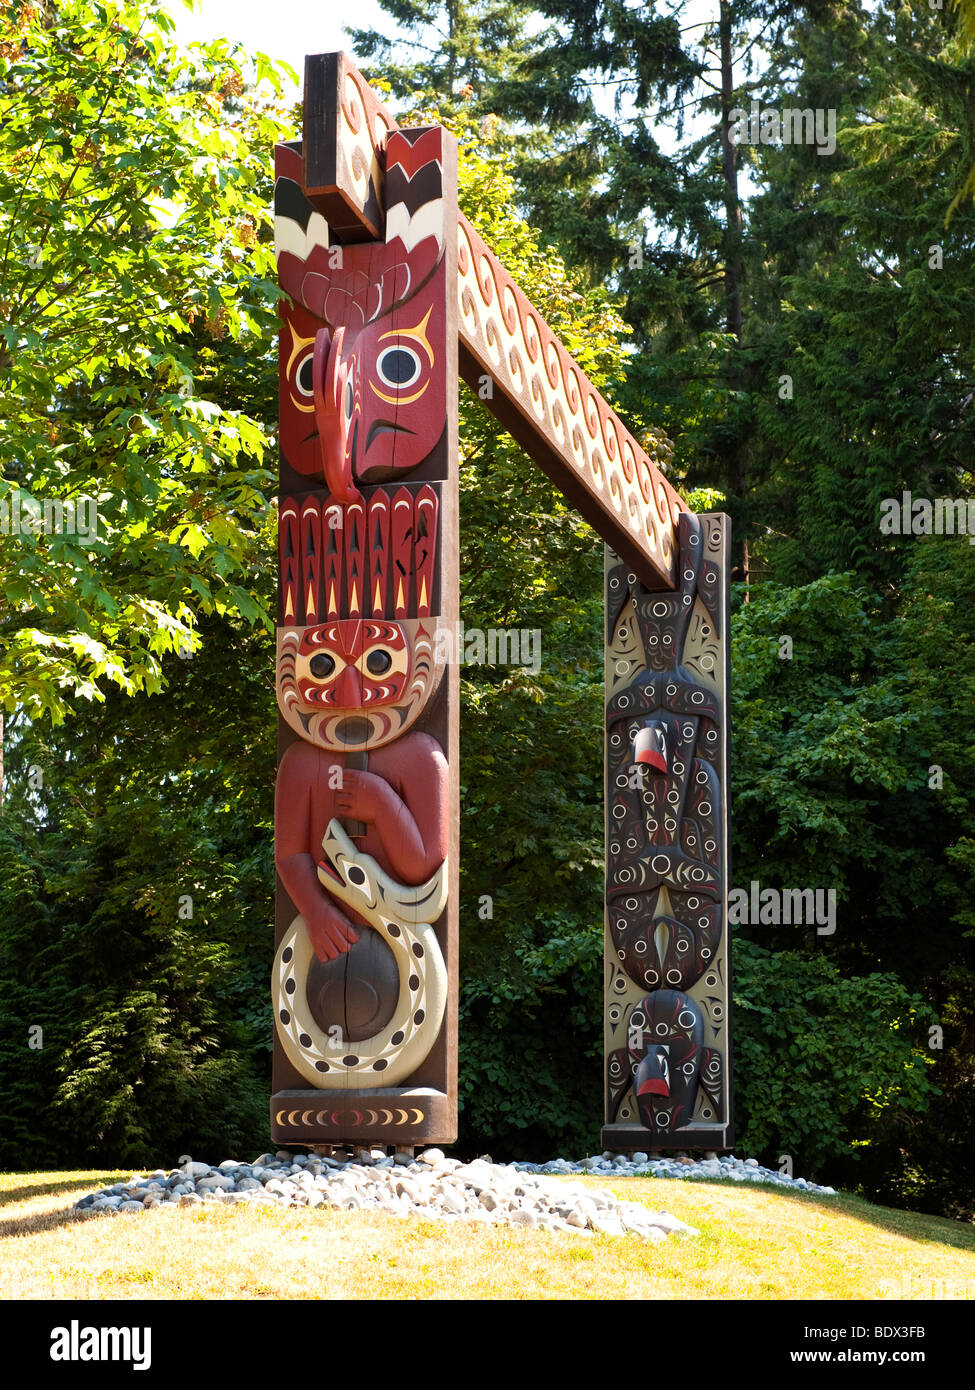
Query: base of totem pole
[(411, 1115), (634, 1138)]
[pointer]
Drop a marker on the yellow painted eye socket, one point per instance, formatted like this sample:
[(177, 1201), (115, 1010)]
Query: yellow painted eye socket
[(297, 343), (299, 370), (416, 334), (398, 400), (394, 362)]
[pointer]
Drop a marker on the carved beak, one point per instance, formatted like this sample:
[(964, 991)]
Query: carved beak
[(653, 1074), (333, 414), (650, 746)]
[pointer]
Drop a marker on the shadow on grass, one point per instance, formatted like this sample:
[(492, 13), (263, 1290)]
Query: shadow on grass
[(29, 1223), (922, 1228), (45, 1189), (926, 1230)]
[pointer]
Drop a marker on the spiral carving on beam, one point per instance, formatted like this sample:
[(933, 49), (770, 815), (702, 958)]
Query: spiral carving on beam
[(526, 360)]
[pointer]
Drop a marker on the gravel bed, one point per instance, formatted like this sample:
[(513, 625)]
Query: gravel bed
[(678, 1165), (434, 1186)]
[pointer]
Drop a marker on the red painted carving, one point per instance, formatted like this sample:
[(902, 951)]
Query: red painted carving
[(332, 531), (362, 808), (354, 532), (402, 800), (377, 538), (348, 687), (311, 558), (364, 343), (426, 507), (296, 404), (401, 544), (288, 549)]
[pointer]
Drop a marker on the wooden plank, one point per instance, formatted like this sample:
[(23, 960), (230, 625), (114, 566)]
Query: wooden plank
[(345, 130), (548, 404), (407, 1115)]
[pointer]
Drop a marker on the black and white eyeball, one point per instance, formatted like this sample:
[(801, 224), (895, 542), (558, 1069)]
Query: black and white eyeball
[(378, 661), (305, 375), (398, 367), (321, 665)]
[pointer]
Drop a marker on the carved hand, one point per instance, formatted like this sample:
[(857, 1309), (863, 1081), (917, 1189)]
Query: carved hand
[(364, 796), (329, 930)]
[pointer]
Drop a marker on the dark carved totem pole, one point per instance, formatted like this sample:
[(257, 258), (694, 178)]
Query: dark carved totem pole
[(364, 981), (389, 290), (668, 986)]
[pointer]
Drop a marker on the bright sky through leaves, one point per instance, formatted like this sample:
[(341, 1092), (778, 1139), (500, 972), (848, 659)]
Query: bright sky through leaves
[(287, 30)]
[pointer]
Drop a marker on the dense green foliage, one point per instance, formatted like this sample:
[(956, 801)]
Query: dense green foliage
[(132, 190), (853, 762), (139, 309)]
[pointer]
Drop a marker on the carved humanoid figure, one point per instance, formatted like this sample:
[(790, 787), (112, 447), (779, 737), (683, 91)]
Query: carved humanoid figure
[(362, 821), (346, 687)]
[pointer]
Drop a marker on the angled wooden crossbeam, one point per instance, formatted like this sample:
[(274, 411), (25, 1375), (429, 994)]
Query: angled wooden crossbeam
[(541, 395)]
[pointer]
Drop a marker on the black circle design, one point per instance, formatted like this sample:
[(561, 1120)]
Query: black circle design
[(305, 375), (378, 662), (398, 366)]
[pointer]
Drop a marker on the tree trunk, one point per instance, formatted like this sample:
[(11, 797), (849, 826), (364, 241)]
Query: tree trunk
[(729, 169), (732, 256)]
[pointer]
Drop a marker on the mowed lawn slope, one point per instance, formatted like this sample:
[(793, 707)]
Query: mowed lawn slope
[(754, 1243)]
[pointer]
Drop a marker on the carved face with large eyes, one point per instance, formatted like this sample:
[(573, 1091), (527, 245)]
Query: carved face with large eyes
[(393, 407), (362, 402), (352, 685)]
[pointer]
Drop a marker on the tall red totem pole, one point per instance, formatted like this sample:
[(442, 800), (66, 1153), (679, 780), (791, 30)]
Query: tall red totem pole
[(366, 816)]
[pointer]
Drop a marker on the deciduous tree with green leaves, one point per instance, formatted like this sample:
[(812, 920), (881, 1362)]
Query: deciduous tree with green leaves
[(133, 257)]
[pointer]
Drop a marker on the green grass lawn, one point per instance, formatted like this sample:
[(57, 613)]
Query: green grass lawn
[(754, 1242)]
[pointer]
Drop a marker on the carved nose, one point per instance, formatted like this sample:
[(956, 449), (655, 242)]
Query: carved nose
[(330, 371), (348, 689)]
